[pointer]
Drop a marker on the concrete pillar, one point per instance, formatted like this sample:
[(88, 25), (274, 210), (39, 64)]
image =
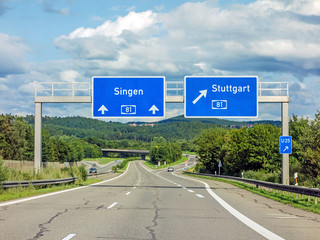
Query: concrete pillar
[(143, 157), (38, 136), (285, 132)]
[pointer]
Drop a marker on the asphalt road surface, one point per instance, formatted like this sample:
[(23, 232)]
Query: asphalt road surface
[(155, 204), (102, 168)]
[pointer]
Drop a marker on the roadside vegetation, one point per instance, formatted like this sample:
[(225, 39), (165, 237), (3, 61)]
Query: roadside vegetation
[(16, 193), (102, 160), (120, 167), (9, 174), (255, 151), (250, 149)]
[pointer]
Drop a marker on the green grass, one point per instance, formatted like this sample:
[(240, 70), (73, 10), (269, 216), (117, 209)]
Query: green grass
[(190, 153), (16, 193), (153, 165), (280, 197), (105, 160)]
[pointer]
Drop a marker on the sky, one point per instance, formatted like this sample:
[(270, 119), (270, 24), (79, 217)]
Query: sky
[(74, 40)]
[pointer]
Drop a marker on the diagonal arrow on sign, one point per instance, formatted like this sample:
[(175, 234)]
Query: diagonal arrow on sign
[(202, 93)]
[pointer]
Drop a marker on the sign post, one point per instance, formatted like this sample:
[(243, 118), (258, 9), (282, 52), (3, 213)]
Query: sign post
[(116, 97), (227, 97)]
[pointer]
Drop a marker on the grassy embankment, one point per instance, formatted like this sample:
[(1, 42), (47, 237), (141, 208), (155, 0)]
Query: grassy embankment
[(47, 173)]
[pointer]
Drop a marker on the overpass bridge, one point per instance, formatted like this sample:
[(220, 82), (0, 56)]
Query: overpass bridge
[(122, 152)]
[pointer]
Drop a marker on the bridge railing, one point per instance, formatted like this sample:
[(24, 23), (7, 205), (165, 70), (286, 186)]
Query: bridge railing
[(173, 88), (63, 89)]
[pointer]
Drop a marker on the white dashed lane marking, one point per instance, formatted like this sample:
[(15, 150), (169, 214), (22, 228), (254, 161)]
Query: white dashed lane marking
[(69, 236), (199, 195), (112, 205)]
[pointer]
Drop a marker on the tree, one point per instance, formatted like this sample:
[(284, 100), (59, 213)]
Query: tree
[(311, 142), (163, 151), (6, 137), (210, 147)]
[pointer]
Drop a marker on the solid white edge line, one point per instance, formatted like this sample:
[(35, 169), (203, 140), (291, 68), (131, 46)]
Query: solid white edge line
[(247, 221), (59, 192), (69, 236), (112, 205)]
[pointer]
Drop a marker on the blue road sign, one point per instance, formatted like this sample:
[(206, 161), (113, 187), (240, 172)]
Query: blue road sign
[(221, 97), (128, 97), (285, 144)]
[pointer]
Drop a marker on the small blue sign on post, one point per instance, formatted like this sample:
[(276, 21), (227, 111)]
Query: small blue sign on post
[(229, 97), (116, 97), (285, 144)]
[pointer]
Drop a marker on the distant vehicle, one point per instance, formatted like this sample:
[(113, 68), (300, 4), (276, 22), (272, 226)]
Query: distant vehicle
[(93, 170), (94, 165), (170, 169)]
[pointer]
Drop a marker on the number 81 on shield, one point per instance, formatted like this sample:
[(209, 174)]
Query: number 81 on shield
[(219, 104)]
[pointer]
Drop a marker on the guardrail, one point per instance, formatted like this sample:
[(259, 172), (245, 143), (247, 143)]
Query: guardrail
[(12, 184), (304, 191), (90, 175)]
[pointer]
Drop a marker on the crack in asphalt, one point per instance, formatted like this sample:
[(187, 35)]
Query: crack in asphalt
[(86, 202), (156, 215), (300, 216), (43, 228), (3, 209), (100, 207), (258, 202)]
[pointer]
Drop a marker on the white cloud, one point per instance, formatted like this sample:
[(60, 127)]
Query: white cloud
[(261, 36), (12, 52), (69, 76), (305, 7), (196, 38), (133, 22)]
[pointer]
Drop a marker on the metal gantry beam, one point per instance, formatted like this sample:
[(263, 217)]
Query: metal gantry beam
[(277, 93)]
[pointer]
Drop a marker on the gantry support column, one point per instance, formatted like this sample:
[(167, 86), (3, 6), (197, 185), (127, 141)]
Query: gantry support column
[(285, 132), (38, 136)]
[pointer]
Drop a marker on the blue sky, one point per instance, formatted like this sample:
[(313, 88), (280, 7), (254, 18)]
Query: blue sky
[(73, 40)]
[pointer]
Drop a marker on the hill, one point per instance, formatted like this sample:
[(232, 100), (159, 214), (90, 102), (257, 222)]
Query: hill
[(172, 129)]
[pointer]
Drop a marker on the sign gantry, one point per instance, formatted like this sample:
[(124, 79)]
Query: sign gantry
[(130, 104)]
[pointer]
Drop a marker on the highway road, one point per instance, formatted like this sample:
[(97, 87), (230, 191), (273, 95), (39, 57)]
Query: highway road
[(102, 168), (155, 204)]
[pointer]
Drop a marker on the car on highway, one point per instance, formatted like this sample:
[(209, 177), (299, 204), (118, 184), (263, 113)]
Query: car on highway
[(170, 169), (93, 170)]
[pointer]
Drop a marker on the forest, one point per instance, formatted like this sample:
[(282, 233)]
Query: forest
[(242, 147), (255, 151)]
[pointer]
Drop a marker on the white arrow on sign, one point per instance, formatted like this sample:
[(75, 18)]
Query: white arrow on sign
[(102, 109), (202, 93), (286, 148), (154, 109)]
